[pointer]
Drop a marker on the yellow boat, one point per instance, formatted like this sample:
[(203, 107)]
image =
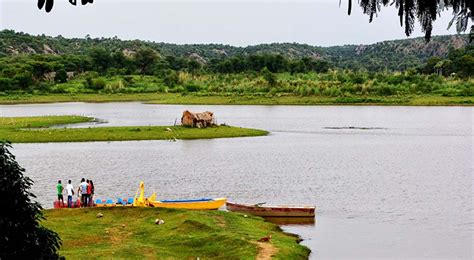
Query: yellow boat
[(203, 204)]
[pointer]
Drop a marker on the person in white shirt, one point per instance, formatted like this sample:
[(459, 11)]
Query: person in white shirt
[(82, 191), (70, 193)]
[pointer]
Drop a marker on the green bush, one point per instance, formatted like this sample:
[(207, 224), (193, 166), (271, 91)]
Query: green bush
[(171, 78), (114, 87), (61, 76), (6, 84), (23, 80), (99, 84), (192, 87), (128, 80), (385, 90)]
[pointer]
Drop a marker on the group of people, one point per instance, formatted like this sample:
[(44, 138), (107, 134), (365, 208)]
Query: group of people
[(85, 192)]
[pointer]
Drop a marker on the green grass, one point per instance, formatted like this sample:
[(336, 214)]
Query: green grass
[(184, 235), (237, 99), (35, 130)]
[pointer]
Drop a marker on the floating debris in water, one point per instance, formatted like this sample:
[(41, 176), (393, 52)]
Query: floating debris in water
[(353, 128)]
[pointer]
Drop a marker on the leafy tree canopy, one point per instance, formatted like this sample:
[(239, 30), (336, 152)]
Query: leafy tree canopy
[(426, 11), (21, 236)]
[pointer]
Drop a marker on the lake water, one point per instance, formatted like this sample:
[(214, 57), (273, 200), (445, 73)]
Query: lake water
[(402, 188)]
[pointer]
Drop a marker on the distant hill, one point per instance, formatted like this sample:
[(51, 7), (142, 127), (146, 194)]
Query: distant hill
[(391, 55)]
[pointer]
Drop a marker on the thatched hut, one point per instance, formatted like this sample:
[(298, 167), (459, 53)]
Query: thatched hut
[(199, 120)]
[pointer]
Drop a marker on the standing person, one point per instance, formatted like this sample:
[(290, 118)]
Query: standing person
[(60, 189), (70, 193), (79, 191), (89, 188), (83, 192), (92, 192)]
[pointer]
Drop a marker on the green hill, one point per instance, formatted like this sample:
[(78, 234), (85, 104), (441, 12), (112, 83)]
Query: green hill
[(390, 55)]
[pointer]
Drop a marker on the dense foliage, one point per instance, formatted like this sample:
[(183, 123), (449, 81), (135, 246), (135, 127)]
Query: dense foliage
[(109, 66), (425, 11), (460, 62), (388, 55), (21, 237)]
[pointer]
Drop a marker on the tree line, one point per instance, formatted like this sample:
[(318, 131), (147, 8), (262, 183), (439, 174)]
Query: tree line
[(20, 72), (40, 71), (460, 62)]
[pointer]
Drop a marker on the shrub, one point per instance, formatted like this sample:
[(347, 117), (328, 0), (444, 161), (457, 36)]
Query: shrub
[(467, 90), (192, 87), (128, 80), (61, 76), (23, 80), (385, 90), (114, 87), (99, 84), (269, 77), (171, 78), (6, 84)]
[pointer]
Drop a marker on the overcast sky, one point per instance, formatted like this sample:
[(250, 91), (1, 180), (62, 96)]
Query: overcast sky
[(240, 23)]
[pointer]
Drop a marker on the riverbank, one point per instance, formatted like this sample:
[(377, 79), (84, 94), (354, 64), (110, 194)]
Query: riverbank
[(132, 233), (36, 130), (192, 99)]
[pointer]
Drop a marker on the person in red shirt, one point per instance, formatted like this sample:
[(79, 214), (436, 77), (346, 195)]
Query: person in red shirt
[(91, 197), (89, 192)]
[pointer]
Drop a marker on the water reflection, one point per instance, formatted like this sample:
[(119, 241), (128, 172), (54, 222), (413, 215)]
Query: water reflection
[(292, 221)]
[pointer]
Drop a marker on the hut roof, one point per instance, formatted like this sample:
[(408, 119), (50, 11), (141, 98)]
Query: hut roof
[(204, 116)]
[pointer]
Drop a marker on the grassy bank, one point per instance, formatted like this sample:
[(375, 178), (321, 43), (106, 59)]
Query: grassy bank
[(132, 233), (196, 99), (35, 130)]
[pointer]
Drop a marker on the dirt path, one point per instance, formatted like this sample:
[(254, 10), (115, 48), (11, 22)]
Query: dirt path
[(265, 250)]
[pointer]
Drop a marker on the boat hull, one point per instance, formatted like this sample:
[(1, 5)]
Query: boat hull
[(272, 211), (203, 205)]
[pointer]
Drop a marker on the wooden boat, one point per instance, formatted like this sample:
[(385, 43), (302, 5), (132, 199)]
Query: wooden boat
[(273, 211), (204, 203)]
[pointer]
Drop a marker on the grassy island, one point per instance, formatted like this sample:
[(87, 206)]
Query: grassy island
[(36, 130), (132, 233)]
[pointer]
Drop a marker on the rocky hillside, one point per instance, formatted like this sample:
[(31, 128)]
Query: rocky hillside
[(392, 55)]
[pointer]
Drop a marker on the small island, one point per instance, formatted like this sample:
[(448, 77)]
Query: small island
[(38, 130)]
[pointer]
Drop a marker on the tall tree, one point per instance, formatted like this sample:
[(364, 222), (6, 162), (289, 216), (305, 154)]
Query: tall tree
[(194, 66), (101, 59), (21, 235), (145, 58), (40, 68)]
